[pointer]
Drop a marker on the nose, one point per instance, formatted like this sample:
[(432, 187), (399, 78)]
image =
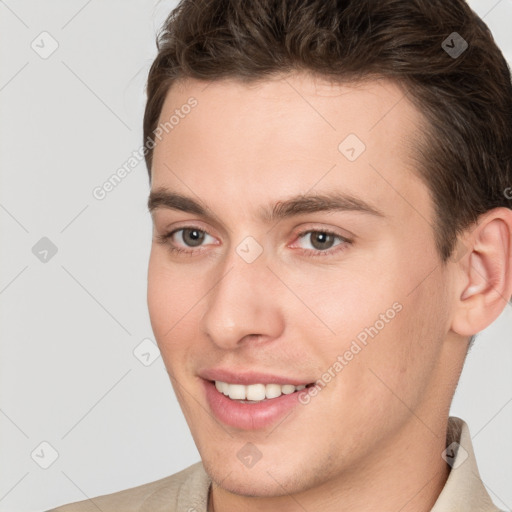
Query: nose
[(245, 303)]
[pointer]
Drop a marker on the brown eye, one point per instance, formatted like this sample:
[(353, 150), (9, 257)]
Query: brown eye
[(186, 240), (192, 237), (321, 240)]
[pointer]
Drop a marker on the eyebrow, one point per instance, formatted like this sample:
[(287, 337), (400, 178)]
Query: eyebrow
[(294, 206)]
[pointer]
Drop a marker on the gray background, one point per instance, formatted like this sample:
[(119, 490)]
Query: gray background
[(68, 373)]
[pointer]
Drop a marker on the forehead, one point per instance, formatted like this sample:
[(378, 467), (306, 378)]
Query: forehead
[(287, 135)]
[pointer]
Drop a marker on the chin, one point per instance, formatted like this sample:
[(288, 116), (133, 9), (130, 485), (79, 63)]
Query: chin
[(255, 483)]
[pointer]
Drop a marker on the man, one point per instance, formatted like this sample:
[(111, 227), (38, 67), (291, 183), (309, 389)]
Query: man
[(332, 207)]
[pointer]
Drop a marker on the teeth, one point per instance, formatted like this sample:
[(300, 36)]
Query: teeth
[(237, 392), (287, 389), (255, 392), (273, 390)]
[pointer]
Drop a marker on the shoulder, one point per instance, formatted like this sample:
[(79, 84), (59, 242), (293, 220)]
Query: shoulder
[(189, 485)]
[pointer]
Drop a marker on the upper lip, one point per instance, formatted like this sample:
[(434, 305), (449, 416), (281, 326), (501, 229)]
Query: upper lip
[(250, 377)]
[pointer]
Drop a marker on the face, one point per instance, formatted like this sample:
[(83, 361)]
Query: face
[(302, 253)]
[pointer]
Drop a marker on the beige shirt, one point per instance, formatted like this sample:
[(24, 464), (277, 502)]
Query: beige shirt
[(187, 491)]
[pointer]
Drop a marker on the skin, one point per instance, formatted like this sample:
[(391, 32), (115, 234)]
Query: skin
[(380, 424)]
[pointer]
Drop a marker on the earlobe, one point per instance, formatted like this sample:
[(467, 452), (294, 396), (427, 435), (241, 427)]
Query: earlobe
[(486, 273)]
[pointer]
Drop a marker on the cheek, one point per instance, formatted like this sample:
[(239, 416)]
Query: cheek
[(375, 321), (171, 301), (343, 302), (159, 293), (172, 321), (400, 362)]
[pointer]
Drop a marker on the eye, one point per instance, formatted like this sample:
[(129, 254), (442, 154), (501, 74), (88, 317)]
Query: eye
[(192, 237), (189, 236), (322, 241)]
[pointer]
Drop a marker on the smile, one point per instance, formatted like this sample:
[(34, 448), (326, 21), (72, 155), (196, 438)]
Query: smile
[(254, 393), (252, 406)]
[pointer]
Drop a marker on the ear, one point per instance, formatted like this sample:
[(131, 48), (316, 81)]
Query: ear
[(484, 273)]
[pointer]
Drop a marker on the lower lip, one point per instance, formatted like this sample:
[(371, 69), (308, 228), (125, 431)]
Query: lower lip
[(251, 416)]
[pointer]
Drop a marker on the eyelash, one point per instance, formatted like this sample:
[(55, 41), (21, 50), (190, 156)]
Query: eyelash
[(164, 239)]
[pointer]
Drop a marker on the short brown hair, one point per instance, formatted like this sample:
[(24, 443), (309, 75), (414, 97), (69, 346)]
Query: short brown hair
[(465, 159)]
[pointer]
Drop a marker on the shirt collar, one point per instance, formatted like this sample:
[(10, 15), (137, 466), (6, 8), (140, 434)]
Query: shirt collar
[(463, 489)]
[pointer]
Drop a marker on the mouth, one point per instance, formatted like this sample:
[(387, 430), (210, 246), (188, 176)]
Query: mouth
[(256, 393), (253, 406)]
